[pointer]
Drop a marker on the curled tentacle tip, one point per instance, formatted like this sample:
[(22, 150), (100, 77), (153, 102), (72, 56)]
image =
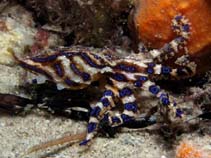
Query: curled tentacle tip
[(154, 28)]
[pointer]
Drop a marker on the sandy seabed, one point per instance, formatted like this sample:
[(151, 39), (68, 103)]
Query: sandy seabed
[(17, 134)]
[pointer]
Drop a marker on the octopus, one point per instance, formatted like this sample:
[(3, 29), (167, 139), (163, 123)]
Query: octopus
[(78, 68)]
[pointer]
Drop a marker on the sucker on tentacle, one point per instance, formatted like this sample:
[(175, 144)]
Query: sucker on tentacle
[(78, 68)]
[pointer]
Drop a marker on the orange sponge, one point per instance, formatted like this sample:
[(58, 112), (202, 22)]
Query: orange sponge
[(186, 150)]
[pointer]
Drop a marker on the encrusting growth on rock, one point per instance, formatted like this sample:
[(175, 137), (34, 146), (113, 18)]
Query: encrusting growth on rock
[(187, 150)]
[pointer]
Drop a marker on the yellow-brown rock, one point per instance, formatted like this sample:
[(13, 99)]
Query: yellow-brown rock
[(153, 25)]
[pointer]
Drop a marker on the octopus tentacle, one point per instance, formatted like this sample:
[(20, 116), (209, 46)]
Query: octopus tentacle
[(181, 26), (96, 114), (130, 108), (163, 96), (183, 71)]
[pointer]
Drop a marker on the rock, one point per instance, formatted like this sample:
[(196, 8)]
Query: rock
[(20, 35)]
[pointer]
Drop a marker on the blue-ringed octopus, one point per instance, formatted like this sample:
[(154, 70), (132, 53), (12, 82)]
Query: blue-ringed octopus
[(78, 68)]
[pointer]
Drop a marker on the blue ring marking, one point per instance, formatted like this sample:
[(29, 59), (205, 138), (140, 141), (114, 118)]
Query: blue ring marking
[(178, 18), (138, 83), (143, 78), (150, 70), (131, 106), (167, 48), (90, 62), (105, 118), (127, 68), (154, 89), (66, 54), (34, 68), (91, 127), (165, 70), (126, 118), (75, 69), (58, 69), (165, 101), (115, 120), (84, 142), (179, 112), (69, 82), (186, 28), (96, 56), (121, 66), (151, 64), (44, 59), (105, 102), (143, 49), (108, 56), (108, 93), (125, 92), (119, 77), (34, 81), (95, 111), (163, 95), (131, 69), (85, 76), (180, 39)]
